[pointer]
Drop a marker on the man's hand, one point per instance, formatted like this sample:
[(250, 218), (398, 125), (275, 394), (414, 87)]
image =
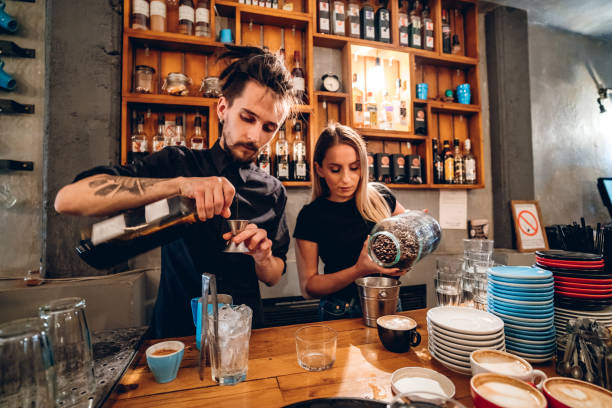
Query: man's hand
[(366, 266), (256, 239), (213, 195)]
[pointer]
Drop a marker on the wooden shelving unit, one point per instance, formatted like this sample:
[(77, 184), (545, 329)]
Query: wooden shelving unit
[(196, 56)]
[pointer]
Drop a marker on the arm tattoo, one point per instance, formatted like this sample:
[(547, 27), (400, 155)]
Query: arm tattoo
[(111, 185)]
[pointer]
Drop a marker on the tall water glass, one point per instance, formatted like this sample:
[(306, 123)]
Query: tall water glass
[(448, 281), (479, 288), (477, 246), (27, 376), (72, 350)]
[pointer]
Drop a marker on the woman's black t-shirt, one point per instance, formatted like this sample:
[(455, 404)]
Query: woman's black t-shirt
[(340, 231)]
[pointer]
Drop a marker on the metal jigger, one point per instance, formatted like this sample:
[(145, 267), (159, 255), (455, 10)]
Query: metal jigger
[(236, 227)]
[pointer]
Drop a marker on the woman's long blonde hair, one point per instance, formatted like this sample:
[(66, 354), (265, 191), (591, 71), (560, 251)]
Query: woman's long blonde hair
[(370, 203)]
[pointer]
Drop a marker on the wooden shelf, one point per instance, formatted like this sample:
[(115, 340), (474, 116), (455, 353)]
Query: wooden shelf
[(332, 96), (268, 16), (297, 183), (302, 108), (171, 100), (448, 60), (441, 106), (173, 41), (409, 186), (457, 186), (389, 134)]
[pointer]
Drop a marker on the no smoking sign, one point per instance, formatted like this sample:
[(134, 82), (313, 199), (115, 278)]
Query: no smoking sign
[(528, 223)]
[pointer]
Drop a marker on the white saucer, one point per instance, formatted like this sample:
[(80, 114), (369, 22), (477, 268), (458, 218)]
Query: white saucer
[(450, 357), (421, 373), (464, 347), (465, 320), (477, 337), (461, 353), (453, 367), (520, 302), (475, 343)]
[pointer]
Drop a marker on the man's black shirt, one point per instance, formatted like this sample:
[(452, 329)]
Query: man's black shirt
[(261, 200)]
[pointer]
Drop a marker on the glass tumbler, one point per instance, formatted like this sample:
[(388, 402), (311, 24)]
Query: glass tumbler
[(448, 281), (72, 349), (316, 347), (27, 376)]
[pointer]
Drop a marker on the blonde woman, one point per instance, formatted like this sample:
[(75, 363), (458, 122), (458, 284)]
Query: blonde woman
[(335, 225)]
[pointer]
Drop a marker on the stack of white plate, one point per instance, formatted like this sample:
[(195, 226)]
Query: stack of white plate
[(454, 332), (603, 317)]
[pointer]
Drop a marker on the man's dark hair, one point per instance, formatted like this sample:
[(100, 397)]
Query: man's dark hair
[(255, 64)]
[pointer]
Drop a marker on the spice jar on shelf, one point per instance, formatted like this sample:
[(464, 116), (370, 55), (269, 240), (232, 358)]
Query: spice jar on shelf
[(210, 87), (140, 14), (143, 79), (402, 240), (177, 83), (158, 15)]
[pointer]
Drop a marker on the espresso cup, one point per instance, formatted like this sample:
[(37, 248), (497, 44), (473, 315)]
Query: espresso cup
[(562, 392), (164, 360), (501, 362), (491, 390), (398, 333)]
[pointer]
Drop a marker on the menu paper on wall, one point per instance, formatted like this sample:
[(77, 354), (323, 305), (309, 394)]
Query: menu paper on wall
[(453, 209)]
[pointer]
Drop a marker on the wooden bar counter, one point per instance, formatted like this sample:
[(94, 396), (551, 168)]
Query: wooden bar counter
[(362, 369)]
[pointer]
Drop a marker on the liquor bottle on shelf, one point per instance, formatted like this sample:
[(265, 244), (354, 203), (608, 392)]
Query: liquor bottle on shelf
[(403, 24), (415, 27), (300, 163), (387, 113), (446, 33), (428, 30), (275, 4), (263, 159), (470, 163), (324, 16), (281, 152), (382, 24), (404, 104), (338, 18), (299, 79), (459, 164), (397, 106), (449, 163), (438, 165), (358, 105), (140, 15), (202, 19), (198, 140), (352, 21), (268, 4), (186, 17), (139, 141), (179, 132), (372, 108), (159, 140), (366, 18)]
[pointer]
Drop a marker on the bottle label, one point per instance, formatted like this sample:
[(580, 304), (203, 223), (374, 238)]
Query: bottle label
[(416, 40), (470, 170), (283, 170), (446, 30), (353, 10), (369, 15), (384, 33), (354, 29), (265, 166), (323, 6), (186, 13), (299, 84), (369, 32), (108, 229), (158, 145), (324, 23), (141, 7), (429, 42), (339, 27), (339, 8), (197, 145), (403, 20), (449, 169), (268, 4), (300, 170), (158, 8), (156, 210), (429, 25), (139, 146), (202, 15), (403, 38)]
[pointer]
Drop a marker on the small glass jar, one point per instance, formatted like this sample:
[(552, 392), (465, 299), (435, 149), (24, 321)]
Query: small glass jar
[(177, 83), (402, 240), (143, 79), (210, 87)]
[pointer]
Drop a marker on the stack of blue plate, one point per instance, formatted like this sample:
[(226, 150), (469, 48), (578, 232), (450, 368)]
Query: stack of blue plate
[(522, 297)]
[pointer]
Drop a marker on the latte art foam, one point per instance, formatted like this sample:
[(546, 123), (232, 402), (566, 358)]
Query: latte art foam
[(397, 323), (502, 365), (507, 395)]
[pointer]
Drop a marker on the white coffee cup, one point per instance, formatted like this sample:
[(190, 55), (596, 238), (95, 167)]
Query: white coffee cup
[(501, 362)]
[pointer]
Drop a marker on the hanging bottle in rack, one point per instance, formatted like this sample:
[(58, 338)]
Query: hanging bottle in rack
[(159, 141), (299, 79), (198, 140), (352, 21), (324, 17), (403, 24), (300, 163), (428, 30)]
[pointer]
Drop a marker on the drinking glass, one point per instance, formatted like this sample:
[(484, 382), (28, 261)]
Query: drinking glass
[(72, 350), (27, 375), (229, 350), (316, 347), (479, 290), (447, 280), (477, 246)]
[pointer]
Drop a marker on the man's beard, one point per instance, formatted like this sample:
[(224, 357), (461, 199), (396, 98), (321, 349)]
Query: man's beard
[(231, 150)]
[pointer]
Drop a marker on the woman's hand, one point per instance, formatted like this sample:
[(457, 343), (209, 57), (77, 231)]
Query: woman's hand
[(366, 266)]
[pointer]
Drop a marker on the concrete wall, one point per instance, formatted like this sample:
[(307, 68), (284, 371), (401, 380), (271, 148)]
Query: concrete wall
[(572, 141), (22, 138)]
